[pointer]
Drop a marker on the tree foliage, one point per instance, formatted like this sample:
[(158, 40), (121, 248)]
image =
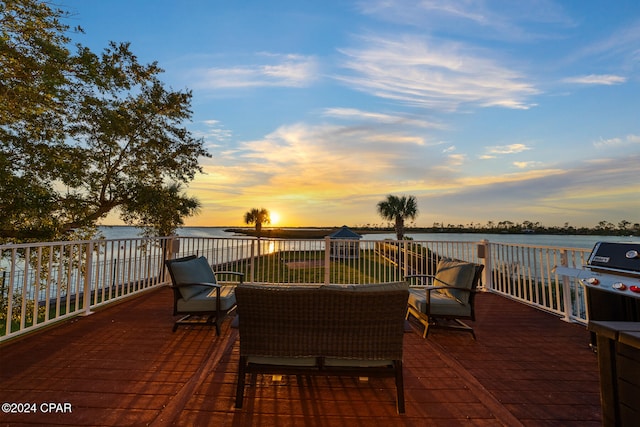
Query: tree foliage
[(398, 209), (84, 134), (257, 217)]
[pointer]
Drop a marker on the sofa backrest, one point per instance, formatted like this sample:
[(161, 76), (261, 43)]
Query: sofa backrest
[(326, 321)]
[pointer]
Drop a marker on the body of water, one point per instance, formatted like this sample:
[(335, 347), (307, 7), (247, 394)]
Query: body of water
[(567, 241)]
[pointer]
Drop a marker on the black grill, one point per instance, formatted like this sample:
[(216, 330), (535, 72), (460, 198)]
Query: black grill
[(612, 284), (616, 258)]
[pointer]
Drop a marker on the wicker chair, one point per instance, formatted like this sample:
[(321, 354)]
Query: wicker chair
[(449, 296), (196, 293), (328, 330)]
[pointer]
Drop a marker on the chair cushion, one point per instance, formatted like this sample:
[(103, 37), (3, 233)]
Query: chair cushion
[(205, 301), (193, 271), (444, 305), (441, 304), (418, 299), (455, 273)]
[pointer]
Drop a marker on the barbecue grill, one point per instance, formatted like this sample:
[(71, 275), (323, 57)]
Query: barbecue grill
[(612, 285), (611, 280)]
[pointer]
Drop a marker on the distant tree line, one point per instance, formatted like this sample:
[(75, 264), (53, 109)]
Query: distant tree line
[(623, 228)]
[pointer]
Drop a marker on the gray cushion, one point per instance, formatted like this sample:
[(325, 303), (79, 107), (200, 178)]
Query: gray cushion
[(418, 299), (444, 305), (286, 361), (193, 271), (350, 363), (370, 287), (441, 304), (455, 273), (312, 361), (206, 300)]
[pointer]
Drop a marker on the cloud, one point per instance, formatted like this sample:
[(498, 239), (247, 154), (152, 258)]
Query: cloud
[(390, 119), (597, 79), (526, 165), (213, 130), (432, 74), (283, 70), (506, 149), (507, 20), (619, 48), (617, 142), (561, 195)]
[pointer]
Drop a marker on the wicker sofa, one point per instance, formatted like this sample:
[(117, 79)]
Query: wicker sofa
[(326, 330)]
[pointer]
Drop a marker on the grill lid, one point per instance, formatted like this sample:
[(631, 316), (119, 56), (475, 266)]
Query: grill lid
[(615, 257)]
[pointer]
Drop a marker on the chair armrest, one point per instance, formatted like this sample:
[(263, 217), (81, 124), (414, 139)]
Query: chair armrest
[(419, 276), (233, 273), (436, 288), (207, 284)]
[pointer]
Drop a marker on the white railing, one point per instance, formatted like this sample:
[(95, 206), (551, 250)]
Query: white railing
[(526, 273), (47, 282)]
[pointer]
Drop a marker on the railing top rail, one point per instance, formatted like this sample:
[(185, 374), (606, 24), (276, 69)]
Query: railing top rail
[(9, 246), (537, 246)]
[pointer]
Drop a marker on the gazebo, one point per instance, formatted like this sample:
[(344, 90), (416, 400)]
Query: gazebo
[(345, 244)]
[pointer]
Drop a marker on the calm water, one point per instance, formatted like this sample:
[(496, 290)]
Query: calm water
[(524, 239)]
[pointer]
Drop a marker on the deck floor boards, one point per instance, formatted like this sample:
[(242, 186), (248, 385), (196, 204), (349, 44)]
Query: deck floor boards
[(122, 366)]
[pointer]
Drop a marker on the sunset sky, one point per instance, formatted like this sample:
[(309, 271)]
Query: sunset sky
[(317, 110)]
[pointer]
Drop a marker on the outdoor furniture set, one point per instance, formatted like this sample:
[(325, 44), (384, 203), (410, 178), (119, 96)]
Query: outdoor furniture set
[(349, 330)]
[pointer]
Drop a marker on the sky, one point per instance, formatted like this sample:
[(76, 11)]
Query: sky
[(494, 110)]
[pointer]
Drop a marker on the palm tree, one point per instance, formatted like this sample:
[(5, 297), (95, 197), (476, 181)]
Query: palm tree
[(257, 217), (398, 209)]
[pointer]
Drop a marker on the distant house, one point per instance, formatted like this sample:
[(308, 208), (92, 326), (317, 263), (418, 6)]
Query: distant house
[(344, 244)]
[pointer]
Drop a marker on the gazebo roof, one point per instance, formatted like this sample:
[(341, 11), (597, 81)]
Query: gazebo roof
[(344, 233)]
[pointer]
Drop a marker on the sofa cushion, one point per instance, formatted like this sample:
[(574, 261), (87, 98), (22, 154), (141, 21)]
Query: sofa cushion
[(355, 363), (206, 300), (193, 271), (370, 287), (308, 361), (455, 273)]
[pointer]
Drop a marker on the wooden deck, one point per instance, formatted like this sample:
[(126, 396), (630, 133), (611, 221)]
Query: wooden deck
[(124, 366)]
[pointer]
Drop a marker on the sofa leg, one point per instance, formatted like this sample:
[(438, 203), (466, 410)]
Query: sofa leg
[(399, 387), (241, 379)]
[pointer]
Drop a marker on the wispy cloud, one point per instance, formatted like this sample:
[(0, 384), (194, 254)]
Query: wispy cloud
[(596, 79), (213, 130), (507, 20), (370, 116), (506, 149), (279, 70), (526, 165), (433, 74), (619, 48), (617, 142)]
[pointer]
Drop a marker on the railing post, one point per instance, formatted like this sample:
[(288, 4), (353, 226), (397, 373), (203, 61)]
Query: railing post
[(484, 253), (404, 260), (86, 300), (252, 262), (566, 289), (327, 260)]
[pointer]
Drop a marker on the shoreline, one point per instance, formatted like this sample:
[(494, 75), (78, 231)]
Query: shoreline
[(321, 232)]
